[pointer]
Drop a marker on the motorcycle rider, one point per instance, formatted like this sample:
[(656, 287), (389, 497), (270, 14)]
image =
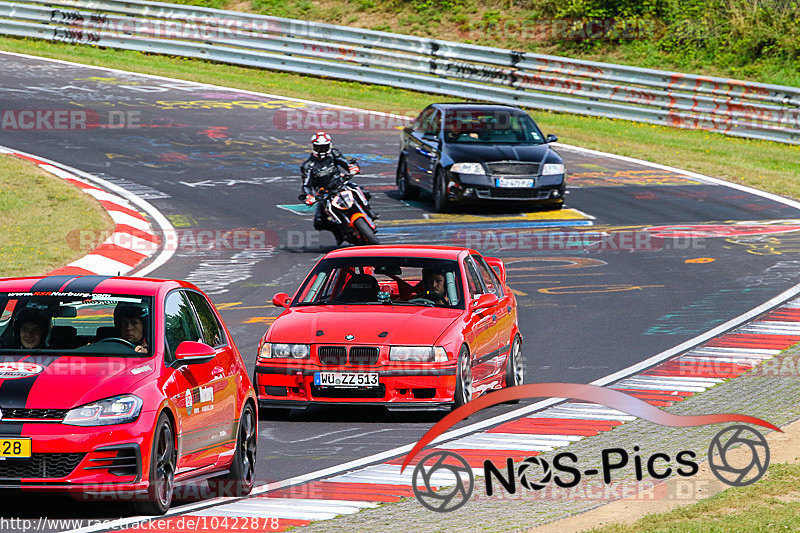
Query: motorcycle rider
[(321, 171)]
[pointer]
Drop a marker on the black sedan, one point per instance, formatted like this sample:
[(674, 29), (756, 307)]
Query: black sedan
[(479, 152)]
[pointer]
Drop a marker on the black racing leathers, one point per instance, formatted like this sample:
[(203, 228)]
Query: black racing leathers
[(323, 172)]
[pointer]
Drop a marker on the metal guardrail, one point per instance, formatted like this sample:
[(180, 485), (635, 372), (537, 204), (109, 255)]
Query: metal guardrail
[(733, 107)]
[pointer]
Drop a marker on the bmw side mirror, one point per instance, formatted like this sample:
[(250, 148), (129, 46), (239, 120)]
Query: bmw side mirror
[(193, 353), (281, 300), (484, 301), (552, 138)]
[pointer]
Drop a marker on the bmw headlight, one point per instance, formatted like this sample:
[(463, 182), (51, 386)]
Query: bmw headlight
[(116, 410), (283, 350), (468, 168), (418, 353), (551, 169)]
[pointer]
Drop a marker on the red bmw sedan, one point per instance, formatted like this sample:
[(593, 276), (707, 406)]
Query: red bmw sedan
[(121, 387), (406, 327)]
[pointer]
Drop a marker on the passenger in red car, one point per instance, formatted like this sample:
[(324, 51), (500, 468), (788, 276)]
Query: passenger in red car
[(131, 322)]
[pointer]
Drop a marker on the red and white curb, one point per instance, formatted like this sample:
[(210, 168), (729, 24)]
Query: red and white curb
[(134, 239), (673, 380)]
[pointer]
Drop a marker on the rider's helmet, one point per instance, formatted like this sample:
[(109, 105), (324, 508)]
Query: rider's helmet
[(321, 144)]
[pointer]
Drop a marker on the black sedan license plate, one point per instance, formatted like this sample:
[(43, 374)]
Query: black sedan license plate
[(346, 379), (514, 183)]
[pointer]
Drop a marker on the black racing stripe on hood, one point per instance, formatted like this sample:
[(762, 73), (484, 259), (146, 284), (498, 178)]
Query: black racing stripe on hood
[(85, 283), (14, 393), (51, 283)]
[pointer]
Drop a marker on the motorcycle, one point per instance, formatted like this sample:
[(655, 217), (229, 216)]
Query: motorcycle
[(347, 205)]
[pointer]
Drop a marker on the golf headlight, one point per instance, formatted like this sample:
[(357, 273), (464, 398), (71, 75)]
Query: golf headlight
[(468, 168), (116, 410), (418, 353), (551, 169), (289, 351)]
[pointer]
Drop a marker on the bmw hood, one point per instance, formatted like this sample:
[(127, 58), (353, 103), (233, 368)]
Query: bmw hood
[(64, 382), (368, 324), (534, 153)]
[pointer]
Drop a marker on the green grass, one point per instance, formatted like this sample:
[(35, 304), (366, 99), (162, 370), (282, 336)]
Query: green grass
[(772, 504), (41, 216), (765, 165)]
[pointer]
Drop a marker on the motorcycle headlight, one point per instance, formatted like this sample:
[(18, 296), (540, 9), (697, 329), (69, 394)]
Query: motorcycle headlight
[(468, 168), (343, 200), (418, 353), (551, 169), (288, 351), (117, 410)]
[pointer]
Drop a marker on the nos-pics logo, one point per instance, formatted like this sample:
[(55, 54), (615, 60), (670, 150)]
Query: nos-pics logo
[(443, 481)]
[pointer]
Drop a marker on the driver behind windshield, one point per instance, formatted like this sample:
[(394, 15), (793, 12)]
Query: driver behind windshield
[(131, 323), (434, 286), (31, 329)]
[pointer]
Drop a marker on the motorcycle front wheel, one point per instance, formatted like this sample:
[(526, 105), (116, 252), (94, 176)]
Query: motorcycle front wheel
[(364, 229)]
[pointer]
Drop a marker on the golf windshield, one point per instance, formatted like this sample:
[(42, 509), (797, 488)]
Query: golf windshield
[(76, 323), (412, 281), (495, 127)]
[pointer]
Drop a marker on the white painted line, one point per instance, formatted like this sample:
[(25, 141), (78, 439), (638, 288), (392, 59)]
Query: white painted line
[(286, 513), (591, 408), (555, 412), (123, 218), (681, 380), (737, 360), (132, 242), (725, 350), (103, 196), (509, 441), (643, 384), (102, 265), (468, 443), (774, 328)]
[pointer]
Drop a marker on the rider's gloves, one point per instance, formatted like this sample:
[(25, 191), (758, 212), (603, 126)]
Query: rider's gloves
[(310, 199)]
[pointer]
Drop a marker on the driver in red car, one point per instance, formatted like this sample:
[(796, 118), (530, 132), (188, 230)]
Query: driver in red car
[(131, 323), (434, 286)]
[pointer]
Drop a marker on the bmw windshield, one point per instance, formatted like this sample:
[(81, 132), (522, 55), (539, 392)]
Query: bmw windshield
[(408, 281), (475, 126), (75, 323)]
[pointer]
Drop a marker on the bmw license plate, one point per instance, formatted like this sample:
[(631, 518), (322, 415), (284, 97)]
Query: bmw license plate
[(15, 449), (346, 379), (514, 183)]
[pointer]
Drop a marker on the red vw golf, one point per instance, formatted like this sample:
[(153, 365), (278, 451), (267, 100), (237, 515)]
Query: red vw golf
[(407, 327), (123, 386)]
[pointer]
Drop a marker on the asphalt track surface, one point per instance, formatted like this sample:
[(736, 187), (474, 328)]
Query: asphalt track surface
[(216, 160)]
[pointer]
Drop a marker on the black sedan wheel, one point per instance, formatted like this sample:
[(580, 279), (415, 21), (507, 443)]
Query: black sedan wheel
[(441, 203), (407, 191)]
